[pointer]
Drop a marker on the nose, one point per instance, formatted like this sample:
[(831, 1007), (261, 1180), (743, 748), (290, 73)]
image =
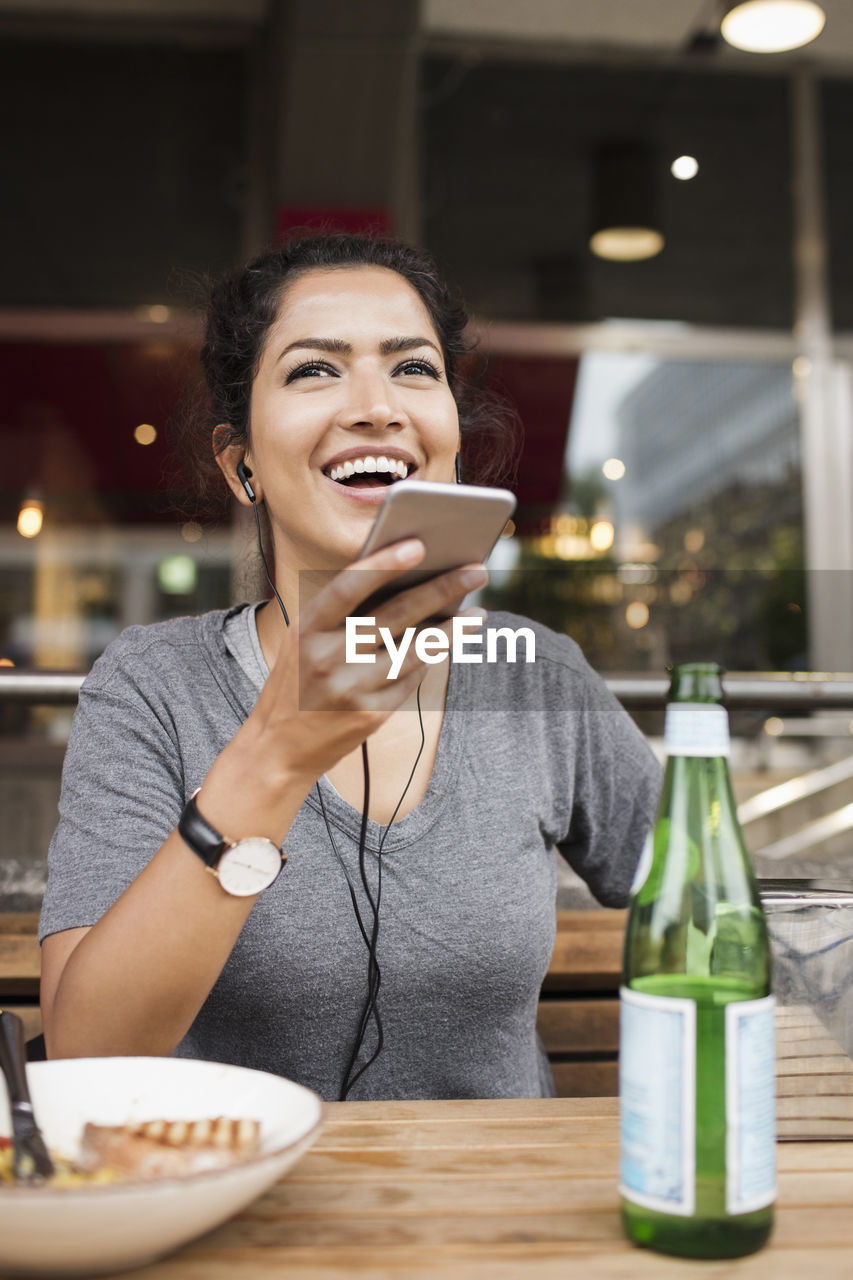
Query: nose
[(371, 401)]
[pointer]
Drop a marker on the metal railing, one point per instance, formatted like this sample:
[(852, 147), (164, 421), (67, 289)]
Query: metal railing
[(44, 688), (797, 692), (801, 690)]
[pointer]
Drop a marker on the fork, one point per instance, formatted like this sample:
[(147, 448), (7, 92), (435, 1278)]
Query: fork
[(31, 1161)]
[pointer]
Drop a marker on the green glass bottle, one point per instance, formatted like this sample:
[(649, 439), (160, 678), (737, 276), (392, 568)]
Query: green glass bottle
[(697, 1056)]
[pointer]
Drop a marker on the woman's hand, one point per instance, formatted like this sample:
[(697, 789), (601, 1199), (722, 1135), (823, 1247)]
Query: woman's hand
[(316, 707), (321, 706)]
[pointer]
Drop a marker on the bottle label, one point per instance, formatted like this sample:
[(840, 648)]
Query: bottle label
[(696, 729), (750, 1105), (657, 1091)]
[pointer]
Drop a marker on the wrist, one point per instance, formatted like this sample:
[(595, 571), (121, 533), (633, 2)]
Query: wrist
[(243, 867), (252, 789)]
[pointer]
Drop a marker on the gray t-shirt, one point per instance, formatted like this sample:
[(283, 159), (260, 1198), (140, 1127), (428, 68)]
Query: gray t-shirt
[(531, 756)]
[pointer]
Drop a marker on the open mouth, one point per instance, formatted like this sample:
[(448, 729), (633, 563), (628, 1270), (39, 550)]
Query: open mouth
[(369, 471)]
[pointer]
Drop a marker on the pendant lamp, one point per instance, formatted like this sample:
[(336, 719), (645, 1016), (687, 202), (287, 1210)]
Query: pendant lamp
[(626, 225), (772, 26)]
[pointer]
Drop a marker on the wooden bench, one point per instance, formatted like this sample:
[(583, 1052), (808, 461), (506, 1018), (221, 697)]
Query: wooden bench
[(578, 1009), (579, 1003), (20, 967), (578, 1022)]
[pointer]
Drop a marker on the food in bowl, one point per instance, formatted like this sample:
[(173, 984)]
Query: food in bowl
[(94, 1230), (65, 1172), (147, 1149), (167, 1148)]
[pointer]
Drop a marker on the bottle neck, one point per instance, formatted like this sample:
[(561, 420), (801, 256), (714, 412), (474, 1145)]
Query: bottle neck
[(696, 682)]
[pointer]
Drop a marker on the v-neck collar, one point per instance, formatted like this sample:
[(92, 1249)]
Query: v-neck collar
[(417, 821)]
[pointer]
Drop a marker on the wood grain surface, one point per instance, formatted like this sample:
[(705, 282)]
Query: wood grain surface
[(20, 958), (814, 1078), (495, 1190)]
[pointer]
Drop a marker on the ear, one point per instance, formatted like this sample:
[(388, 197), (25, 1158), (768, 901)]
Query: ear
[(227, 458)]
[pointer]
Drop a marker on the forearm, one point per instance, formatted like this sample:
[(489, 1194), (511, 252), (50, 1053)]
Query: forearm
[(137, 979)]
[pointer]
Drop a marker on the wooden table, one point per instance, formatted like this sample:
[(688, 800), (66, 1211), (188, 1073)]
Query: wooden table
[(500, 1190)]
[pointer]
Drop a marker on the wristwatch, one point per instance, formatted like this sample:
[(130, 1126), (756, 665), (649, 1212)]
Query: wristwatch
[(242, 867)]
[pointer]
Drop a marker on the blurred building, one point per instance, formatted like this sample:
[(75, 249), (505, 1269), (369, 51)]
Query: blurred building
[(691, 429)]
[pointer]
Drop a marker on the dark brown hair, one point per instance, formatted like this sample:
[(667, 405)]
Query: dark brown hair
[(244, 304)]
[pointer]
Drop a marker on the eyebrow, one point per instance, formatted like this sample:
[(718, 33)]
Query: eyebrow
[(337, 346)]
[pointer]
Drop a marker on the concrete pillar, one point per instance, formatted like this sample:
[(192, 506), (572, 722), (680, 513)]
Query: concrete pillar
[(344, 81), (827, 420)]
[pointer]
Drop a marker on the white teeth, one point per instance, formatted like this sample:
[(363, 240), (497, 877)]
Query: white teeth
[(369, 463)]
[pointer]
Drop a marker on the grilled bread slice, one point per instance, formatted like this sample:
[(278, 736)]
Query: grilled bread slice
[(167, 1148)]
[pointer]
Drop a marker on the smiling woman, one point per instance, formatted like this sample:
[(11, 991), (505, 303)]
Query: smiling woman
[(209, 753)]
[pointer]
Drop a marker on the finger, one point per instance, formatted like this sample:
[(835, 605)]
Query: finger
[(416, 604), (358, 581), (423, 650), (339, 676), (356, 695), (390, 697)]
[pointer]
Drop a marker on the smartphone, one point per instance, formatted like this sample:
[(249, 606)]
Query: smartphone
[(457, 523)]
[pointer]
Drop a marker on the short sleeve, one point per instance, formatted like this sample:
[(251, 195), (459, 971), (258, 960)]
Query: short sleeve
[(617, 782), (122, 791)]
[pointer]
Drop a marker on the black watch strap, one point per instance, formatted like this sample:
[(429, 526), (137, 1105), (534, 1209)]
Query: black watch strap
[(201, 837)]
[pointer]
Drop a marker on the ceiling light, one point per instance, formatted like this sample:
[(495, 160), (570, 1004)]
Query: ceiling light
[(145, 433), (625, 226), (637, 615), (30, 518), (601, 535), (684, 168), (626, 244), (772, 26), (613, 468)]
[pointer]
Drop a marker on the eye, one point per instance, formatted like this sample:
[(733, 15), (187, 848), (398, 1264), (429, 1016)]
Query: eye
[(311, 369), (420, 367)]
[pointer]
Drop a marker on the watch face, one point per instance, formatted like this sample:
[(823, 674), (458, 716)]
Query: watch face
[(249, 866)]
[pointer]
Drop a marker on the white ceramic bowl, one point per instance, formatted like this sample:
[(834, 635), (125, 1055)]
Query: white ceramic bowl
[(88, 1230)]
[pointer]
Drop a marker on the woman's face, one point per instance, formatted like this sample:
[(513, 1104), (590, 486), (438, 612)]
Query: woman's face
[(350, 394)]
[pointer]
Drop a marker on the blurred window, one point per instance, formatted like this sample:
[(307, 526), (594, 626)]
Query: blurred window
[(681, 521)]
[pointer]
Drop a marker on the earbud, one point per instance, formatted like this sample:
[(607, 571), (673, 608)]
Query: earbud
[(243, 472), (458, 468)]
